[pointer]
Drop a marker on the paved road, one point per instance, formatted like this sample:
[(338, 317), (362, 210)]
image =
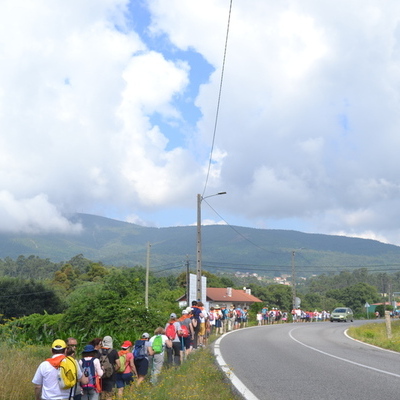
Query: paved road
[(309, 361)]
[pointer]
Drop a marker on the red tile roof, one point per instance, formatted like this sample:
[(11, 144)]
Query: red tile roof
[(221, 295)]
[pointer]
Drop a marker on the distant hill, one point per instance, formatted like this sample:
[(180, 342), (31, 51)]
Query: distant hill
[(225, 248)]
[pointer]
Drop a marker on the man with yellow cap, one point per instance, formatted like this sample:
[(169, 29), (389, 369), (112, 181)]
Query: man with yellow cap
[(46, 380)]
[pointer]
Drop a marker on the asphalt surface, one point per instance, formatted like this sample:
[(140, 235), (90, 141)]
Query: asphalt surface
[(307, 361)]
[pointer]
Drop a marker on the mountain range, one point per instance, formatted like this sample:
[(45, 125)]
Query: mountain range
[(224, 248)]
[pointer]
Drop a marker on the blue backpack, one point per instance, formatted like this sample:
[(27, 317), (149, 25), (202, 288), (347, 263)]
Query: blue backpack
[(89, 371), (140, 350)]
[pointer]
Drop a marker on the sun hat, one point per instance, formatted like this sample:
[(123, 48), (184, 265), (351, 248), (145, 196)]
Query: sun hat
[(88, 349), (58, 344), (126, 344), (107, 342)]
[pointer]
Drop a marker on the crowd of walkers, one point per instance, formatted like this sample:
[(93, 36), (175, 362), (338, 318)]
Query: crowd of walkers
[(266, 317), (102, 371)]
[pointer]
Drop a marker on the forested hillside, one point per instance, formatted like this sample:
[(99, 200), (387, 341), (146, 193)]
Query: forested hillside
[(225, 248)]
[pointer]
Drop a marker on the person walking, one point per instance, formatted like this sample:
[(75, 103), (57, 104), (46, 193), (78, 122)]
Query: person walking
[(172, 329), (158, 343), (91, 368), (46, 380), (141, 357), (109, 361), (196, 316), (127, 370), (187, 334)]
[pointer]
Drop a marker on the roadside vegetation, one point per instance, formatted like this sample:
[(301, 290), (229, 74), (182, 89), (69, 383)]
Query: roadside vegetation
[(86, 299), (375, 334), (198, 378)]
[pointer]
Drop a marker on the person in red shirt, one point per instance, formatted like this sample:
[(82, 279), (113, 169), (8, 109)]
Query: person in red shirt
[(125, 378)]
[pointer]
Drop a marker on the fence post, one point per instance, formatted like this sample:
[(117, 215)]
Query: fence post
[(388, 324)]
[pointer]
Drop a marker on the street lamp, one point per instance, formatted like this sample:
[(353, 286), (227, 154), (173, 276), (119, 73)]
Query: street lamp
[(200, 198)]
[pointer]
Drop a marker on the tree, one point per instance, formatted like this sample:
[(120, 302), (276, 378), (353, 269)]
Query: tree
[(355, 296), (279, 296), (21, 297)]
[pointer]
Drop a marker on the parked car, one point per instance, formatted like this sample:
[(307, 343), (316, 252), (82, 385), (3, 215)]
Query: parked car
[(342, 314)]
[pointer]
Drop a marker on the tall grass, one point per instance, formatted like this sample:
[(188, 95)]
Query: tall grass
[(375, 333), (17, 367), (197, 378)]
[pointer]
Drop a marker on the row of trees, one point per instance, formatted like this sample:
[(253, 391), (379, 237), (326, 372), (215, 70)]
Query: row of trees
[(92, 298)]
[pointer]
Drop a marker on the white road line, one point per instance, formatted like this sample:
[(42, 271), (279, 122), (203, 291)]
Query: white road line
[(342, 359), (239, 385), (368, 344)]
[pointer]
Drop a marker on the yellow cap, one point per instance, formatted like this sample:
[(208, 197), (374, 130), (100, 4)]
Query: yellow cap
[(58, 344)]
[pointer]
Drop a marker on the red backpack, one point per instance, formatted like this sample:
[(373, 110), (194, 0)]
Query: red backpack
[(171, 331), (184, 331)]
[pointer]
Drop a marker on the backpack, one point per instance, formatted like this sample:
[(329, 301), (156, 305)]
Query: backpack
[(140, 351), (211, 316), (89, 371), (105, 363), (223, 314), (122, 363), (184, 331), (67, 371), (158, 344), (171, 331)]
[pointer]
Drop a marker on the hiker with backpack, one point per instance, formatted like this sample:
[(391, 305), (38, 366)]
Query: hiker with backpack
[(141, 357), (91, 368), (202, 330), (56, 377), (245, 317), (231, 317), (172, 328), (224, 319), (238, 319), (197, 314), (187, 332), (127, 368), (109, 361), (218, 320), (158, 343)]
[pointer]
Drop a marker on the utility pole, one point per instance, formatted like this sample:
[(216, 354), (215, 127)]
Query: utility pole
[(187, 281), (198, 263), (146, 300), (293, 281), (200, 198)]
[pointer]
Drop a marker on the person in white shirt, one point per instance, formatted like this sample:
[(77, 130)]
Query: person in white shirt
[(46, 377)]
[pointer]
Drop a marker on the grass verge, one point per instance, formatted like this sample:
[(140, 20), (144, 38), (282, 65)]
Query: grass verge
[(198, 378), (375, 333)]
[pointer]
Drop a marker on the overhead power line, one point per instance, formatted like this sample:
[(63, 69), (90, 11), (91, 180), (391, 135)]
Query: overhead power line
[(219, 98)]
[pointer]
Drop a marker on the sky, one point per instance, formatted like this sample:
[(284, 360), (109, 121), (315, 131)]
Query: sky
[(109, 107)]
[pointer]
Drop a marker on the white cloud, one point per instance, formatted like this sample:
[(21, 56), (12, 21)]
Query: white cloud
[(33, 215), (94, 115)]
